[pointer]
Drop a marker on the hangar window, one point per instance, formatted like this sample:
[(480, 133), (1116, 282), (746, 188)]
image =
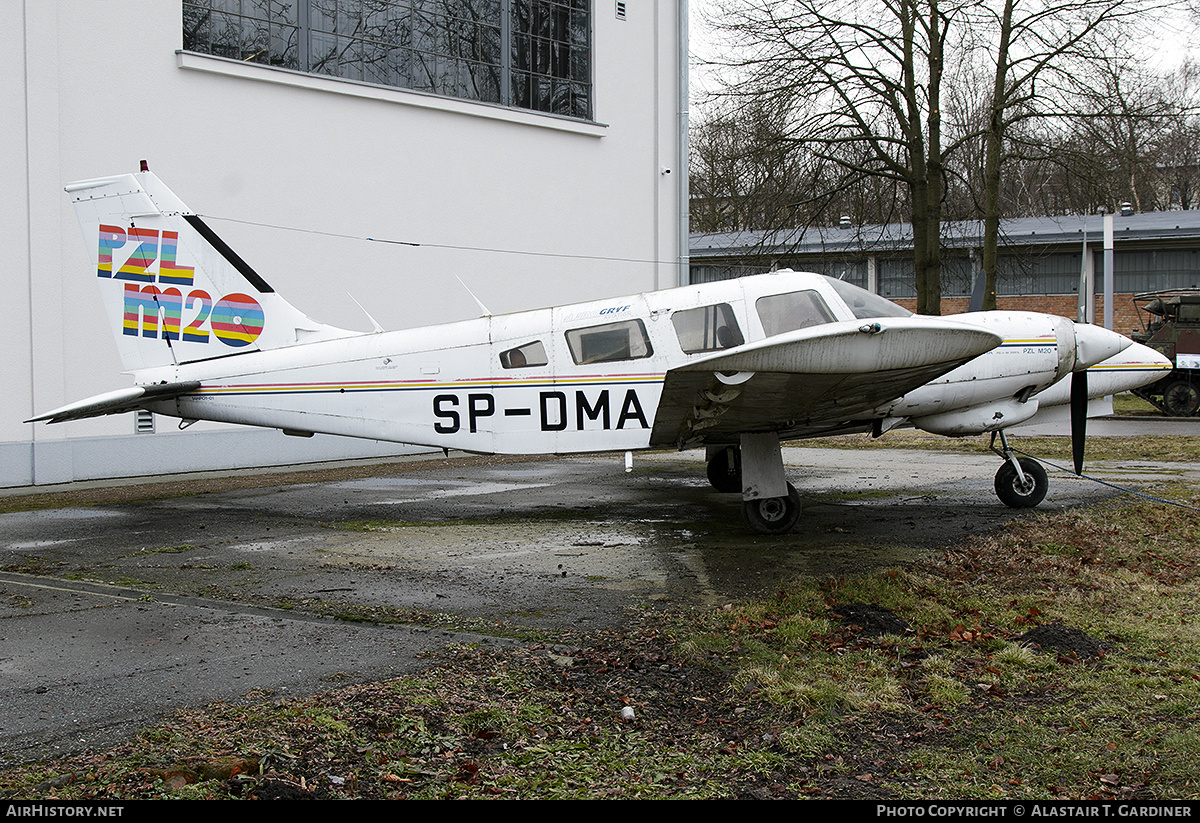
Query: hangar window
[(528, 54), (527, 356), (708, 328), (781, 313), (611, 342)]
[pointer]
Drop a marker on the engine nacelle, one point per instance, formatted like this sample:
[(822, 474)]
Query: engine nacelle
[(987, 417)]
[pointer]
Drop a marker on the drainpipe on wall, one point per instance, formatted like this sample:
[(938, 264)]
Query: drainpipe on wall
[(1108, 270), (685, 276)]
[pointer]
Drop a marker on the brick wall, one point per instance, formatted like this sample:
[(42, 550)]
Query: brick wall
[(1125, 314)]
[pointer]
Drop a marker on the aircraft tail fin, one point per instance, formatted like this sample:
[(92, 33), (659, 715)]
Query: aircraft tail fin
[(174, 292)]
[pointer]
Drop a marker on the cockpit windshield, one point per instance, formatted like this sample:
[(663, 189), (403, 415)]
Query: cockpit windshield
[(864, 304)]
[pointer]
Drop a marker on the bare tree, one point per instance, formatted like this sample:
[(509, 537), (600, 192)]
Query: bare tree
[(1144, 132), (1178, 149), (858, 83), (742, 175), (1039, 51), (747, 173), (861, 84)]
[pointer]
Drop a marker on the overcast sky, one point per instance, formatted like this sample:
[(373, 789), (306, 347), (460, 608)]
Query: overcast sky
[(1180, 39)]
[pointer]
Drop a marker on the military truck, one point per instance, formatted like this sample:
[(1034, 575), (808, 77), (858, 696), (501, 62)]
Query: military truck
[(1171, 325)]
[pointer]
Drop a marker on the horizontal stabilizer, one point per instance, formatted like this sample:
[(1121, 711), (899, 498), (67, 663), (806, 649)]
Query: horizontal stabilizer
[(116, 402)]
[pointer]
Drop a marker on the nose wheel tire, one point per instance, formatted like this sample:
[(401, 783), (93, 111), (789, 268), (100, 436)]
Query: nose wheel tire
[(773, 515), (1015, 494)]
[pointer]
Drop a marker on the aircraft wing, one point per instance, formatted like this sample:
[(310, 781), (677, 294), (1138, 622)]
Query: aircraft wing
[(117, 402), (818, 380)]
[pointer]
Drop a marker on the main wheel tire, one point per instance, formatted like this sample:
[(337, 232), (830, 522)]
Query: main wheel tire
[(725, 470), (773, 515), (1016, 495), (1181, 398)]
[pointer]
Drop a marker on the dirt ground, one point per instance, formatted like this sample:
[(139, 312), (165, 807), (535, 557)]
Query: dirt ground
[(127, 602)]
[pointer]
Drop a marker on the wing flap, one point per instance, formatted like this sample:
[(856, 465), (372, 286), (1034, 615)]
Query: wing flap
[(116, 402)]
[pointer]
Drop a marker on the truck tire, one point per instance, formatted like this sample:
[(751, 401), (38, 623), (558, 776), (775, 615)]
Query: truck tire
[(1181, 398)]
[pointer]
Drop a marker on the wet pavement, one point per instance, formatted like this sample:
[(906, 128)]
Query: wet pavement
[(116, 614)]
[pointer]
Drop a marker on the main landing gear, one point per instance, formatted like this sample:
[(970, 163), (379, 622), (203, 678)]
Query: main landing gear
[(773, 515), (1021, 482), (770, 504), (725, 469)]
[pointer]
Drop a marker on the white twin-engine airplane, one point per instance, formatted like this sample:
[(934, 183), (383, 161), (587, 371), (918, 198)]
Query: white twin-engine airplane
[(735, 367)]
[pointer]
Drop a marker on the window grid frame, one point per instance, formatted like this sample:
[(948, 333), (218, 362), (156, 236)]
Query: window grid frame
[(570, 95)]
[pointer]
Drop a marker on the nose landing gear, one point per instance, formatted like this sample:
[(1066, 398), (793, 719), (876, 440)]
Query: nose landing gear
[(1021, 482)]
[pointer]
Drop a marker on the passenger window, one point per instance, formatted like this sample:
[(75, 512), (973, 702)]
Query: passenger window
[(708, 328), (531, 354), (781, 313), (612, 341)]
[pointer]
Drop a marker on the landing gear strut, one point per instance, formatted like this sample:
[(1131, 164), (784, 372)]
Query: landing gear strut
[(770, 504), (1021, 483)]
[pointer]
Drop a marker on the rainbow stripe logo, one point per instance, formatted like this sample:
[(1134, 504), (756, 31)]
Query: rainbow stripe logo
[(237, 320)]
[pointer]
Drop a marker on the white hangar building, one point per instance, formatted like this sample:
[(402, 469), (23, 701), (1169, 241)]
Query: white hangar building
[(349, 150)]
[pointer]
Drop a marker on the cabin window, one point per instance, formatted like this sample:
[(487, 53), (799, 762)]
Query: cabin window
[(611, 342), (522, 357), (781, 313), (527, 54), (708, 328)]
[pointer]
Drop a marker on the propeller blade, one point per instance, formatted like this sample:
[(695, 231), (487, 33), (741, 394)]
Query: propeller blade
[(1079, 405)]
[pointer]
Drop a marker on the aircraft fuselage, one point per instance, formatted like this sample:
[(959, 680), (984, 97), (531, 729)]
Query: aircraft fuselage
[(735, 366)]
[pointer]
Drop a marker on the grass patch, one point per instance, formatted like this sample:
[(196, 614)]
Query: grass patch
[(371, 525), (130, 583), (1170, 448), (389, 615), (778, 696), (1130, 405), (582, 514), (1012, 722), (33, 565), (861, 494), (180, 549)]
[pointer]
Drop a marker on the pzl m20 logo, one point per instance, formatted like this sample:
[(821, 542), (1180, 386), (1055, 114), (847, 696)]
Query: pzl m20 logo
[(235, 319)]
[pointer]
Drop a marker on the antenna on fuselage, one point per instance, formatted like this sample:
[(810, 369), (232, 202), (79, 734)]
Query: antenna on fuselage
[(484, 310), (375, 327)]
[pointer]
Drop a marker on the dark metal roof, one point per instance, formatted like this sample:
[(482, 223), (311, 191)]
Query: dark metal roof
[(1150, 227)]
